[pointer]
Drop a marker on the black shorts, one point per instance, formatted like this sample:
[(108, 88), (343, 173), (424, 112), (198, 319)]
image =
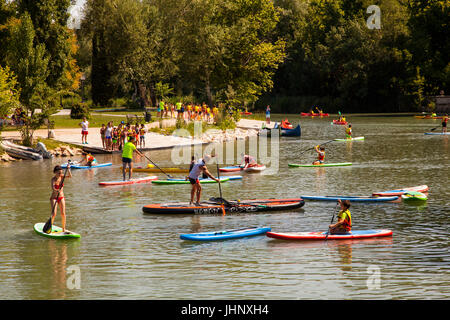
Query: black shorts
[(444, 124), (126, 160), (193, 181)]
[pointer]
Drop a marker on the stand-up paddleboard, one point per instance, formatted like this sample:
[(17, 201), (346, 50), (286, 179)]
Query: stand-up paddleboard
[(77, 166), (350, 198), (354, 234), (156, 170), (214, 206), (414, 196), (126, 182), (229, 177), (254, 168), (182, 181), (56, 232), (350, 139), (437, 133), (399, 192), (225, 234), (320, 165)]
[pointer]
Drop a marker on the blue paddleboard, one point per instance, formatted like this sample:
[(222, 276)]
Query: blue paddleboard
[(225, 234)]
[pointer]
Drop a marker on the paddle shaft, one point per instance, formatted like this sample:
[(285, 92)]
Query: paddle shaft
[(332, 218), (435, 128), (315, 146), (48, 224), (157, 166)]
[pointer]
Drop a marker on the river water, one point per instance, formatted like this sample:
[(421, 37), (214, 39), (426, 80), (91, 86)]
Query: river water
[(125, 254)]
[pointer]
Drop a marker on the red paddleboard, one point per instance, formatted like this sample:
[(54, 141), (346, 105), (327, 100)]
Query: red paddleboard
[(132, 181), (354, 234)]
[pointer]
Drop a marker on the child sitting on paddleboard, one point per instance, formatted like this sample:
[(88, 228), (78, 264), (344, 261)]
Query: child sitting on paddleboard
[(344, 224), (88, 159), (321, 155), (57, 196), (197, 169), (249, 161)]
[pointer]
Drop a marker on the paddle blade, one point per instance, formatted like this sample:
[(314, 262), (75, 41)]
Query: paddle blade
[(47, 226)]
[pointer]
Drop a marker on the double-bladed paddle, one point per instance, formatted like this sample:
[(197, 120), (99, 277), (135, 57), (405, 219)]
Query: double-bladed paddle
[(48, 225), (315, 146)]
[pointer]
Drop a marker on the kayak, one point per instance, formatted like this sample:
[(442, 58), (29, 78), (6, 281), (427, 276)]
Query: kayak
[(229, 177), (350, 139), (339, 122), (351, 198), (126, 182), (56, 232), (156, 170), (307, 114), (320, 165), (225, 234), (354, 234), (427, 117), (182, 181), (214, 206), (258, 167), (399, 192), (414, 196), (246, 113), (76, 166), (437, 133)]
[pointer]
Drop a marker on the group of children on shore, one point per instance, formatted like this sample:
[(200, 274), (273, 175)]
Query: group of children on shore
[(187, 111), (114, 138)]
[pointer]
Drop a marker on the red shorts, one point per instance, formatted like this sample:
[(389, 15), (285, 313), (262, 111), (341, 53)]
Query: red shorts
[(84, 133)]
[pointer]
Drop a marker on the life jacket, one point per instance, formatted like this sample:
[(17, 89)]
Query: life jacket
[(321, 156), (347, 221)]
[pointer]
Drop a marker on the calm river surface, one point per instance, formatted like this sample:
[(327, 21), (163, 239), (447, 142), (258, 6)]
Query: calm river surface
[(125, 254)]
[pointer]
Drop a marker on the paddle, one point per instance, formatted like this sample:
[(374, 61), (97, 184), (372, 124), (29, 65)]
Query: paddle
[(435, 128), (48, 225), (223, 201), (315, 146), (332, 218), (158, 167)]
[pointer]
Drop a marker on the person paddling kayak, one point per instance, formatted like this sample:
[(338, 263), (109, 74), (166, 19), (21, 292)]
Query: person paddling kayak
[(127, 156), (57, 196), (321, 155), (344, 224), (197, 169)]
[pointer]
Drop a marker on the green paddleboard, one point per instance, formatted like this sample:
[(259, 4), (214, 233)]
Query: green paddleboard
[(56, 232), (202, 181), (350, 139), (320, 165)]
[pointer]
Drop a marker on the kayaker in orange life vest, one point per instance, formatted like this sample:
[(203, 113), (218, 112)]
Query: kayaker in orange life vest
[(344, 224), (321, 155)]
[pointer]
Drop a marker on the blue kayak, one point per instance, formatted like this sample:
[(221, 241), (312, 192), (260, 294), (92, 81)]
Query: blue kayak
[(437, 133), (98, 165), (229, 177), (225, 234), (350, 198)]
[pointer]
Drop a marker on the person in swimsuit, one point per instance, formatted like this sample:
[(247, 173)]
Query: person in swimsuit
[(344, 224), (57, 196), (444, 123), (321, 155), (197, 169), (249, 161)]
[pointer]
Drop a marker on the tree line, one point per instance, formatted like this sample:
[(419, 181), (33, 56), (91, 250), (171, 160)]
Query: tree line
[(292, 54)]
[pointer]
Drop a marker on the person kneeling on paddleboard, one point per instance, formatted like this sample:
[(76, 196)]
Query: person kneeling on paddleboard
[(321, 155), (348, 132), (197, 169), (127, 156), (344, 224), (88, 159), (249, 161), (57, 196)]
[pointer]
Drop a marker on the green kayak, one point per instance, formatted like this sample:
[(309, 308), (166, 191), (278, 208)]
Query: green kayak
[(320, 165), (202, 181), (350, 139), (56, 232)]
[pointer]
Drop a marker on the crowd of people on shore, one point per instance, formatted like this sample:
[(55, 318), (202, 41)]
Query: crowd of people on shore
[(189, 111)]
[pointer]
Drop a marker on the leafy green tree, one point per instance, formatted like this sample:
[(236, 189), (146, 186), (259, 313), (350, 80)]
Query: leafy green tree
[(9, 94)]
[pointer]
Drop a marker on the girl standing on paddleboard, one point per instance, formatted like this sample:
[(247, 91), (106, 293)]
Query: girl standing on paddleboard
[(57, 196), (344, 224), (348, 132), (444, 123)]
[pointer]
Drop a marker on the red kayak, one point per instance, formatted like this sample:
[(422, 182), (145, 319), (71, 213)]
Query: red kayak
[(399, 192), (340, 122), (354, 234), (246, 113), (306, 114)]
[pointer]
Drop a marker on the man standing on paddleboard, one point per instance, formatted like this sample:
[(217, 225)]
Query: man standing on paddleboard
[(127, 156), (197, 169)]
